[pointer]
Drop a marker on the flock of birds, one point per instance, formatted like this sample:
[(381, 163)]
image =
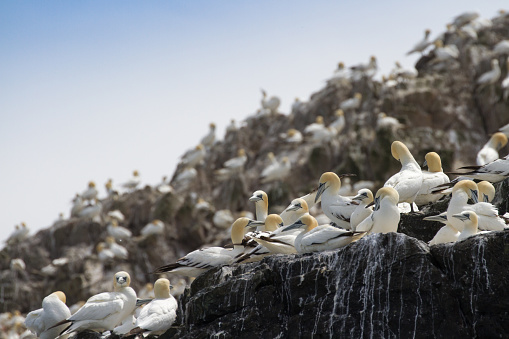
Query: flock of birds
[(299, 228)]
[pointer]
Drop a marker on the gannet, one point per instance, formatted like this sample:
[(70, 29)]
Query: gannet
[(489, 152), (368, 70), (408, 180), (385, 216), (352, 103), (105, 310), (318, 131), (199, 261), (502, 47), (209, 138), (336, 207), (116, 215), (491, 76), (446, 234), (340, 76), (132, 183), (403, 74), (278, 171), (339, 123), (164, 187), (487, 214), (118, 250), (223, 219), (297, 208), (444, 53), (461, 192), (494, 171), (271, 104), (486, 191), (297, 105), (153, 228), (77, 206), (421, 45), (384, 122), (118, 232), (193, 157), (232, 127), (17, 264), (430, 179), (53, 311), (261, 201), (316, 126), (468, 31), (469, 221), (314, 238), (91, 192), (158, 315), (202, 206), (184, 178), (292, 136), (464, 18), (92, 211), (19, 234), (362, 211), (103, 252), (233, 165)]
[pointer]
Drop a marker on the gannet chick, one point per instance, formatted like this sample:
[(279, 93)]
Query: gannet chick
[(53, 310), (446, 234), (158, 315), (444, 53), (352, 103), (430, 179), (271, 104), (297, 208), (118, 250), (91, 192), (461, 192), (118, 232), (336, 207), (234, 165), (386, 122), (261, 201), (408, 180), (292, 136), (223, 219), (104, 311), (116, 215), (153, 228), (490, 77), (77, 206), (277, 171), (19, 234), (132, 183), (421, 45), (209, 138), (314, 238), (464, 18), (339, 123), (501, 48), (194, 157), (104, 253), (469, 220), (364, 197), (199, 261), (489, 152), (385, 216)]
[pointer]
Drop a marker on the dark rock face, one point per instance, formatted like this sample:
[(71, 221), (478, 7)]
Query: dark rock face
[(384, 285)]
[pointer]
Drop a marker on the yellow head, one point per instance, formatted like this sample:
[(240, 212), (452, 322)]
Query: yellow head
[(162, 288), (241, 152), (498, 140), (272, 222), (60, 295), (91, 184), (398, 149), (486, 191), (122, 279), (467, 186), (136, 173), (339, 113), (319, 120), (386, 193), (434, 162), (358, 96)]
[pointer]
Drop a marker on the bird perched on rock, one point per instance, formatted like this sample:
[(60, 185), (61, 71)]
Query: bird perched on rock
[(408, 181), (292, 136), (90, 193), (444, 53), (364, 197), (385, 216), (271, 104), (276, 171), (352, 103), (339, 123), (501, 48), (53, 311), (435, 176), (469, 220), (209, 138), (19, 234), (132, 183), (421, 45), (490, 77), (104, 311), (118, 232), (232, 166), (194, 157), (446, 234), (489, 152), (155, 227)]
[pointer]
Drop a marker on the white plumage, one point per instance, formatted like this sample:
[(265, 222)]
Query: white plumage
[(385, 216), (53, 311)]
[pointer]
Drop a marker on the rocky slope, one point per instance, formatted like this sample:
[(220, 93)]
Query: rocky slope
[(397, 286)]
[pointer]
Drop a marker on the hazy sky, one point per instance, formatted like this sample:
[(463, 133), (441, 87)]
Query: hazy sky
[(91, 90)]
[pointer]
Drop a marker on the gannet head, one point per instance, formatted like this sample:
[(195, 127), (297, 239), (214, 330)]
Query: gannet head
[(241, 152), (271, 156), (60, 295), (433, 162), (486, 191), (328, 179), (341, 65), (319, 120), (199, 147), (469, 187), (272, 222), (401, 153), (258, 196), (364, 195), (468, 217), (23, 224), (100, 247), (372, 58), (212, 126), (298, 204), (438, 43), (108, 184), (239, 229), (91, 184), (498, 140), (386, 193), (291, 132), (382, 115), (339, 113), (398, 65), (114, 222), (357, 96), (285, 160), (136, 173), (162, 288), (307, 222), (122, 279), (297, 100), (110, 240), (427, 33)]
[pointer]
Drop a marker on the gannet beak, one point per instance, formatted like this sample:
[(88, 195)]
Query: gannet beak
[(425, 164), (461, 216), (294, 207), (321, 189), (253, 223), (296, 225), (475, 196), (255, 198)]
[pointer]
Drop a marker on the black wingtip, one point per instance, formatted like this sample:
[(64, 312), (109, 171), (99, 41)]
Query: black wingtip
[(166, 268)]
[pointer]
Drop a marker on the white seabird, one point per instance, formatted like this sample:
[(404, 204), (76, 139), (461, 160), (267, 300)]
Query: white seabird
[(118, 250), (384, 121), (430, 179), (261, 201), (314, 238), (464, 18), (277, 171), (91, 192), (352, 103), (292, 136), (193, 157), (469, 220), (446, 234), (92, 211), (53, 311), (158, 315), (199, 261), (494, 171), (336, 207), (445, 53), (502, 47), (339, 123), (385, 217), (104, 311), (103, 252), (271, 104), (461, 192), (118, 232), (232, 166), (154, 227), (116, 215), (19, 234), (77, 206), (421, 45), (132, 183), (362, 211), (297, 208), (408, 180), (209, 138), (489, 152), (491, 76)]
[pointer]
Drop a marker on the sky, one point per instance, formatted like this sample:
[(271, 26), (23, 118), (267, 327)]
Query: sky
[(91, 90)]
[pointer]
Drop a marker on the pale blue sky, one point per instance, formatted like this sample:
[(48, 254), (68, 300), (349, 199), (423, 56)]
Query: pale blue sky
[(91, 90)]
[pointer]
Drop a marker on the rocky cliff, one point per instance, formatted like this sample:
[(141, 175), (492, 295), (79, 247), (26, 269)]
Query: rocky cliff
[(384, 285)]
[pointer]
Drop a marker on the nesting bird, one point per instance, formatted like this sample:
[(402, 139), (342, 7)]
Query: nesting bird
[(90, 193), (435, 176), (132, 183), (53, 311), (385, 216), (490, 77), (489, 152), (209, 138), (352, 103), (232, 166), (271, 104), (421, 45), (276, 171), (364, 197)]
